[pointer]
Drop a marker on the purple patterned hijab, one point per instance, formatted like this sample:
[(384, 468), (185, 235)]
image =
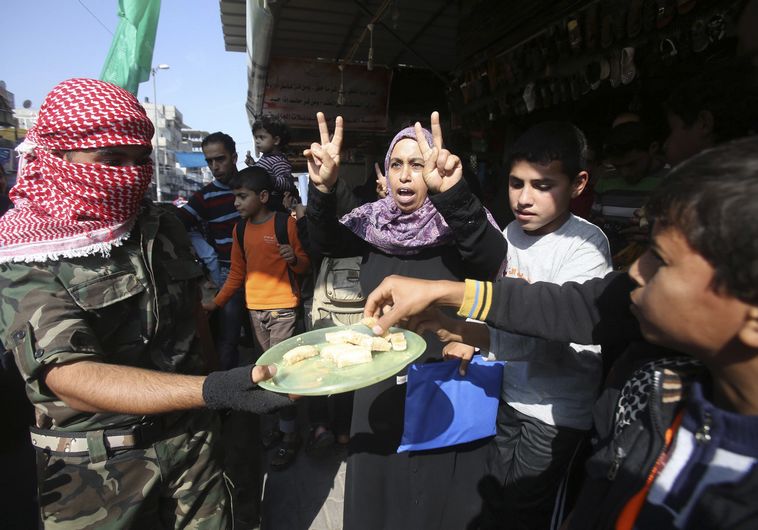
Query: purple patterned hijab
[(383, 225)]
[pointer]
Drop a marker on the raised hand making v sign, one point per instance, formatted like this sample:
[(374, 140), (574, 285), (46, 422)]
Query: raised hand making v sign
[(442, 169), (324, 158)]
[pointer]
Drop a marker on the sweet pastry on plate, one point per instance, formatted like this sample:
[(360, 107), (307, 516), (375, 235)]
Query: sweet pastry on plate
[(346, 354), (346, 336), (375, 343), (300, 353), (369, 322), (347, 347), (398, 341)]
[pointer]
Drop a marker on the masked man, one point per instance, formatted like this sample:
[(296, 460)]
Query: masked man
[(99, 303)]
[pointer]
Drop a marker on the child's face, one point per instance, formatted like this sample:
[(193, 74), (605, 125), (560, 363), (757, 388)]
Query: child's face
[(539, 195), (406, 183), (250, 204), (675, 302), (264, 142)]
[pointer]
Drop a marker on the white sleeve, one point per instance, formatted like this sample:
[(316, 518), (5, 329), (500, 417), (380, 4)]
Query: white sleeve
[(591, 259)]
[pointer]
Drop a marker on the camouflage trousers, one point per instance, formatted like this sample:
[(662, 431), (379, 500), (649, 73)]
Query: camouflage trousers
[(176, 482)]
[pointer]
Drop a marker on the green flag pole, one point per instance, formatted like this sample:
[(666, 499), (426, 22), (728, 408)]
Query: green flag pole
[(130, 58)]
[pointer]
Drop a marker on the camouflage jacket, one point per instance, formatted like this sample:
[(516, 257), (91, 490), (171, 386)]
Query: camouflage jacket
[(134, 308)]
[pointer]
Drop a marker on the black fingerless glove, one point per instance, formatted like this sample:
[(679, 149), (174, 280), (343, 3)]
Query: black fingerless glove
[(234, 389)]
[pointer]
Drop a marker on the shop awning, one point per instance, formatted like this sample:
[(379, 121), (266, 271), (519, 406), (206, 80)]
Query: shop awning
[(421, 33)]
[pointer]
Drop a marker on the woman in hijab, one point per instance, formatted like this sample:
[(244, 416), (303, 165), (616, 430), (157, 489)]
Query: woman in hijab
[(428, 226)]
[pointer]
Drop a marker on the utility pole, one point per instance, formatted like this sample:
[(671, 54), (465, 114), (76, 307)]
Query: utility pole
[(158, 195)]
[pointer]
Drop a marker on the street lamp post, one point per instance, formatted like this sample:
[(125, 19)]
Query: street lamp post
[(158, 195)]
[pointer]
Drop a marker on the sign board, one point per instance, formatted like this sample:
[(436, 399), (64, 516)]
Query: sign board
[(296, 89)]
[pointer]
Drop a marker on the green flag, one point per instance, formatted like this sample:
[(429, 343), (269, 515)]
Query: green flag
[(129, 59)]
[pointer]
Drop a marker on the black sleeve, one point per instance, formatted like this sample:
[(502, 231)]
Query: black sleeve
[(305, 240), (593, 312), (481, 245), (345, 198), (327, 236)]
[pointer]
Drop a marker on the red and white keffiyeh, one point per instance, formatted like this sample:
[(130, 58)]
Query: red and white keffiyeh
[(65, 209)]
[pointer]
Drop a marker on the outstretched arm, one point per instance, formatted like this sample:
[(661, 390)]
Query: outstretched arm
[(593, 312), (99, 387)]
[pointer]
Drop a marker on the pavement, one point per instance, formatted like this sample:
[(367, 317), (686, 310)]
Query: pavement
[(307, 495)]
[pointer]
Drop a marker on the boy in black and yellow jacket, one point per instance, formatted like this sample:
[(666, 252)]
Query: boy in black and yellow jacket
[(676, 424)]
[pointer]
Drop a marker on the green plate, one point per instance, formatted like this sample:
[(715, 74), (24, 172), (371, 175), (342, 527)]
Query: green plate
[(319, 377)]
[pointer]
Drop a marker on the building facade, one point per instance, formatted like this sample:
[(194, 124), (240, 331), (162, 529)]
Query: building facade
[(192, 139), (168, 123)]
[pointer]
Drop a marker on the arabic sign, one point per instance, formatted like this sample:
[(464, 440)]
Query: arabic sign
[(296, 89)]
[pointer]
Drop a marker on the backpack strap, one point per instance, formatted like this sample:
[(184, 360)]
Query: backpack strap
[(239, 231), (281, 220), (280, 227)]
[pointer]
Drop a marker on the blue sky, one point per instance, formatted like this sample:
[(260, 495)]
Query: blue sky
[(47, 41)]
